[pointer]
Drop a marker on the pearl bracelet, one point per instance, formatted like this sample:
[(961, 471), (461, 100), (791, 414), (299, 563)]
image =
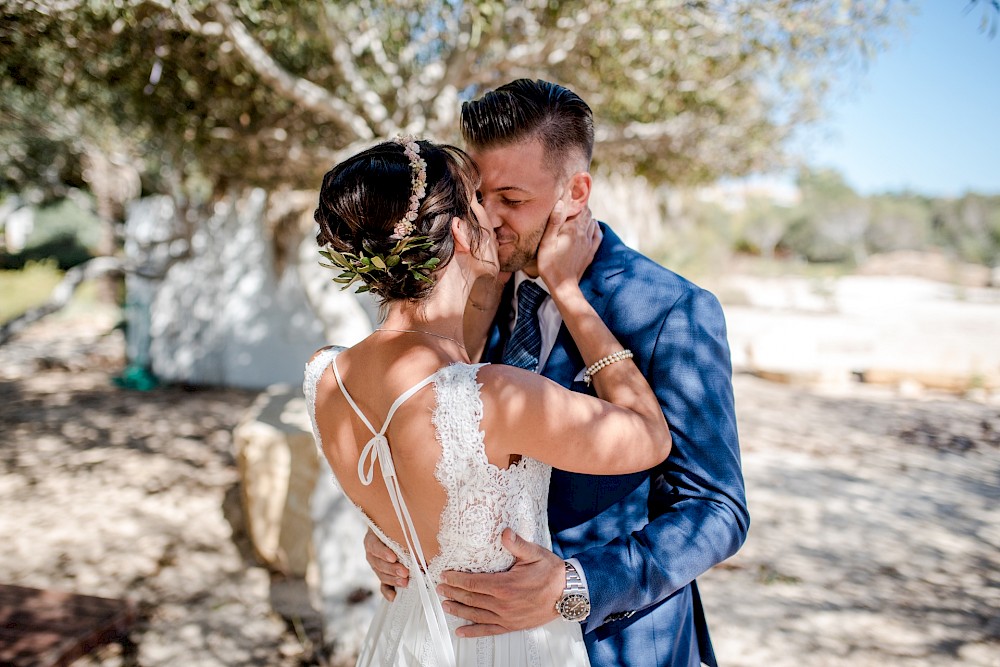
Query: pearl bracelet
[(592, 370)]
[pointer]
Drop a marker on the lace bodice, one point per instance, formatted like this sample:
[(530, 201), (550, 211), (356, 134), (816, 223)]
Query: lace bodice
[(482, 499)]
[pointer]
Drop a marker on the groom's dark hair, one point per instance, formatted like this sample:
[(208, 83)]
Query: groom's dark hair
[(529, 109)]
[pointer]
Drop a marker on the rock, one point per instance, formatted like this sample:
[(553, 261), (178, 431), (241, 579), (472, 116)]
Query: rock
[(348, 588), (278, 464)]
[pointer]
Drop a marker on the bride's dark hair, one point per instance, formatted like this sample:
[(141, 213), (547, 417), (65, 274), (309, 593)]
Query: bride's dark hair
[(363, 198)]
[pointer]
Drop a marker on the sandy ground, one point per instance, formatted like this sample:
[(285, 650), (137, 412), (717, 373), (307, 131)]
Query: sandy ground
[(126, 494), (875, 537)]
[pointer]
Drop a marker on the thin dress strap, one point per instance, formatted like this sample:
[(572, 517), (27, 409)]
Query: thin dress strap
[(378, 450)]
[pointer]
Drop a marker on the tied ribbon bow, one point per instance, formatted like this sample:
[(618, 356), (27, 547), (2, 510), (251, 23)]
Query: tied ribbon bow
[(375, 449)]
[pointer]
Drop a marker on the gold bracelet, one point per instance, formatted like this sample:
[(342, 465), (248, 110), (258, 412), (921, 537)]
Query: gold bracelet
[(592, 370)]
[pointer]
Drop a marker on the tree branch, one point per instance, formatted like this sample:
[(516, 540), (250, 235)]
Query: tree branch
[(369, 103), (302, 91)]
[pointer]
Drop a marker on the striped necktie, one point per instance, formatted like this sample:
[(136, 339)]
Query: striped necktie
[(525, 342)]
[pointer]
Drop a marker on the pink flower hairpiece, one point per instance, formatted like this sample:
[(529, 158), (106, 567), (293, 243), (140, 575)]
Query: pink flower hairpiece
[(418, 166)]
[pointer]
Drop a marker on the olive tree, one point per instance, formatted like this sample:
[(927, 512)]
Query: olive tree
[(202, 100)]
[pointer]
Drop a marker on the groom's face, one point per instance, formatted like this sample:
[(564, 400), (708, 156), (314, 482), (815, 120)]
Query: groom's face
[(519, 190)]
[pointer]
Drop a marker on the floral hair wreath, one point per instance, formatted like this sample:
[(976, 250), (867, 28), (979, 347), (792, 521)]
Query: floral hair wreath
[(354, 267), (418, 185)]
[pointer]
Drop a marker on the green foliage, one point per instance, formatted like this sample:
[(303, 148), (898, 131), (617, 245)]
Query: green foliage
[(900, 222), (63, 232), (65, 218), (64, 250), (353, 267), (128, 77), (832, 223), (762, 225), (970, 225), (699, 243), (202, 95)]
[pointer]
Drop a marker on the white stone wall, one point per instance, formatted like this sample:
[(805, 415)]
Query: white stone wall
[(222, 316)]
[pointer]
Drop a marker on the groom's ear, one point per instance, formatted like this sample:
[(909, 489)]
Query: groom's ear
[(578, 192)]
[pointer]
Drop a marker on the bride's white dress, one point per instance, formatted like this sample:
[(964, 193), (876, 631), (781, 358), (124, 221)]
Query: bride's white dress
[(482, 500)]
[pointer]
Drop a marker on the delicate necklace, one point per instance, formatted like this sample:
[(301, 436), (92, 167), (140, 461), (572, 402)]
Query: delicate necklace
[(429, 333)]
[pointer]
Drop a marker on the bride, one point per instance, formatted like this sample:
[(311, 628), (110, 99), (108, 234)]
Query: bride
[(470, 457)]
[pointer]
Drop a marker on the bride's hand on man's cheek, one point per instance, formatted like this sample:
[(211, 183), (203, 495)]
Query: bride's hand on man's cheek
[(568, 246)]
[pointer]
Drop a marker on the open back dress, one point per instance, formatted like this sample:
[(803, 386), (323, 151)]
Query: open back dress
[(482, 500)]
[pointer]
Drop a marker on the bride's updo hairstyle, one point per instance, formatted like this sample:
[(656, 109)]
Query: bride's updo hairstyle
[(364, 197)]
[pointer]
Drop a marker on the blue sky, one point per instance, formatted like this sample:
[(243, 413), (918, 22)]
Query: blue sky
[(926, 113)]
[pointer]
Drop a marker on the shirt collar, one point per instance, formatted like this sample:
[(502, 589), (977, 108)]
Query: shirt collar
[(521, 276)]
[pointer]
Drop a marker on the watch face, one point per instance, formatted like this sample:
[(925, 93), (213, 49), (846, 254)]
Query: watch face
[(574, 607)]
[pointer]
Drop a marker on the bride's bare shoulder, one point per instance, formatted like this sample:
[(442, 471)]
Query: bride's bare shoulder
[(500, 380), (321, 350), (318, 352)]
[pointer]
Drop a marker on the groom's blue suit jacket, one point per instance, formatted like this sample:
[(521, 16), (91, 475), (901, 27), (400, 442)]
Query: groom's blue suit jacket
[(643, 538)]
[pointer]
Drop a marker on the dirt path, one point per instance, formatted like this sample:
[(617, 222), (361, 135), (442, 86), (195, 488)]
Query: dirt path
[(875, 537), (120, 494)]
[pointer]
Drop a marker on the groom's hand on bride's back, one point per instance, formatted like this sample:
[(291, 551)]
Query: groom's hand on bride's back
[(390, 572), (522, 597)]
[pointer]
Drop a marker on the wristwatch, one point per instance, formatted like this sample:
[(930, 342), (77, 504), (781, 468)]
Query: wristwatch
[(574, 605)]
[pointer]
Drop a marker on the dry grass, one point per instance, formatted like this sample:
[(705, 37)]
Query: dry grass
[(27, 288)]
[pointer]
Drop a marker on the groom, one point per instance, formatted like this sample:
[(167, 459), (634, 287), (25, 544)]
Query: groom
[(633, 544)]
